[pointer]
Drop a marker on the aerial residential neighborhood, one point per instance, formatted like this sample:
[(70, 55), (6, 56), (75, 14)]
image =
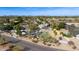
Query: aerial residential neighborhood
[(39, 29), (39, 33)]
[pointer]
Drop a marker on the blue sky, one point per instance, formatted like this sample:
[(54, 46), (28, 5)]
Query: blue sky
[(39, 11)]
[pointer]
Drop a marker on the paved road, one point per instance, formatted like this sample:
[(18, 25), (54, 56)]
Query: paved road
[(32, 46)]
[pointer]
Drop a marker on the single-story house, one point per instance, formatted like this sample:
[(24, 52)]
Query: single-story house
[(73, 28), (44, 26), (77, 36)]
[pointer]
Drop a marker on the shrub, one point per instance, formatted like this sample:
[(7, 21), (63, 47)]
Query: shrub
[(55, 32), (17, 48), (74, 47), (66, 35), (45, 37), (60, 38), (34, 40), (58, 26), (48, 44), (71, 43), (17, 28), (61, 25), (3, 41), (44, 43), (54, 40)]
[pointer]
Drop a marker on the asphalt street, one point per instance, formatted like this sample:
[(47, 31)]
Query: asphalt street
[(31, 46)]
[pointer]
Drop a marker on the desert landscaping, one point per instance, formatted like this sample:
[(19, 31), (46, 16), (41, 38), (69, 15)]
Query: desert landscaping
[(60, 32)]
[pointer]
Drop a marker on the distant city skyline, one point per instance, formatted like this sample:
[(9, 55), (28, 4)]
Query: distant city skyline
[(39, 11)]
